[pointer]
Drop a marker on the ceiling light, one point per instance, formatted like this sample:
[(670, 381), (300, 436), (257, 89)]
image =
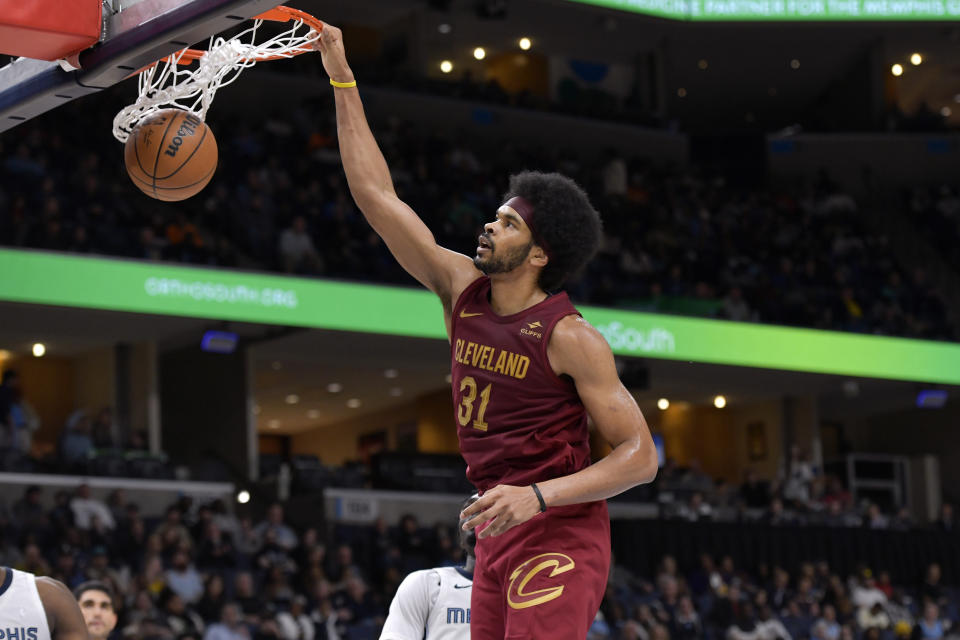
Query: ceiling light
[(681, 92), (275, 365), (39, 349), (354, 403), (446, 66), (719, 402), (445, 28), (313, 414), (391, 373), (896, 70), (525, 44), (292, 398), (916, 59), (274, 424), (703, 64), (396, 392), (448, 378), (663, 404), (794, 64), (479, 53), (243, 497), (334, 387), (946, 112)]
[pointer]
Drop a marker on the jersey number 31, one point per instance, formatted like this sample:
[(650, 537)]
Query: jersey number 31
[(468, 394)]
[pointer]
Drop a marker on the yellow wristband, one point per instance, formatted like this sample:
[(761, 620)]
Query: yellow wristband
[(343, 85)]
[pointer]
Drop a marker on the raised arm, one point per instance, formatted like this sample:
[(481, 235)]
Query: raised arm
[(444, 272), (63, 613)]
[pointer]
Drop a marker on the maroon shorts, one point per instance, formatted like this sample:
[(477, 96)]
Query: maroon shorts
[(544, 579)]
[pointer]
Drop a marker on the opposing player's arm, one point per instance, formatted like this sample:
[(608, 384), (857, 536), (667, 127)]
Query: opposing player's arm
[(444, 272), (63, 613), (410, 607), (578, 350)]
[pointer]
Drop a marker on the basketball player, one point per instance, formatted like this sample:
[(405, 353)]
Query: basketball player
[(434, 604), (96, 604), (526, 370), (33, 608)]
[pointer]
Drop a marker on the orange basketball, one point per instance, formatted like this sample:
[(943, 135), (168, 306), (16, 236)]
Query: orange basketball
[(171, 155)]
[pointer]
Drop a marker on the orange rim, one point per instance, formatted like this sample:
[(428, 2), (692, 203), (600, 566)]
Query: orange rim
[(277, 14)]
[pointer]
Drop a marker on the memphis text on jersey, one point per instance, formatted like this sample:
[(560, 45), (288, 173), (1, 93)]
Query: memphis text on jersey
[(482, 356), (457, 615), (19, 633)]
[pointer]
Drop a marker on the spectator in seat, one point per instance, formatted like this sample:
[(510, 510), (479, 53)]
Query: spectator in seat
[(76, 443), (230, 627), (87, 511), (295, 624), (285, 537), (297, 252), (183, 579), (931, 626)]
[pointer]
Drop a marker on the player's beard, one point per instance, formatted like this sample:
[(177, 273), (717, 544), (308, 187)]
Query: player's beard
[(505, 263)]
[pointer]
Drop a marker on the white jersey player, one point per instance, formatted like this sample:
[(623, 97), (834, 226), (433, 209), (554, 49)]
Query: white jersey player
[(434, 604), (33, 608)]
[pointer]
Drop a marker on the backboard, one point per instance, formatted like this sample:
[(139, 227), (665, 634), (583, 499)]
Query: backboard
[(135, 33)]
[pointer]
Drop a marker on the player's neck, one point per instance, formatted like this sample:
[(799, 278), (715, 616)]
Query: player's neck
[(511, 295), (469, 564)]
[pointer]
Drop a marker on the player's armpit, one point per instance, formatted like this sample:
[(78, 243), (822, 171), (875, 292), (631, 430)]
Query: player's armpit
[(63, 612)]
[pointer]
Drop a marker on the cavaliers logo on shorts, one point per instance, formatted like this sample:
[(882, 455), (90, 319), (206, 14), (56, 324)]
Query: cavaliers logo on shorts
[(534, 581)]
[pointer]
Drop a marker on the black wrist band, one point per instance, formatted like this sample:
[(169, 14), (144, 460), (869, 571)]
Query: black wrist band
[(536, 490)]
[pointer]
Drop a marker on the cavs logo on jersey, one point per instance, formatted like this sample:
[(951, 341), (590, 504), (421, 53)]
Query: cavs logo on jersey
[(540, 570)]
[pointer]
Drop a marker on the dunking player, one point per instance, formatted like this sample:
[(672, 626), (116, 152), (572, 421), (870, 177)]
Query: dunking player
[(434, 604), (33, 608), (527, 369)]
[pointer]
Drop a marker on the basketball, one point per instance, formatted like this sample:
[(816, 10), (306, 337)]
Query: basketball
[(171, 156)]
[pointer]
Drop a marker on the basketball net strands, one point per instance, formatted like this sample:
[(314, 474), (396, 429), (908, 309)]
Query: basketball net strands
[(55, 68), (165, 84)]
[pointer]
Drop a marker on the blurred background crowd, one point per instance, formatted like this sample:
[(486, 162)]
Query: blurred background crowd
[(198, 571), (676, 240)]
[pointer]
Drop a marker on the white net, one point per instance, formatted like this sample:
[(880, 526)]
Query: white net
[(166, 84)]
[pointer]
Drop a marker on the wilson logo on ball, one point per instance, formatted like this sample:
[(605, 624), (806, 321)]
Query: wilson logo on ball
[(187, 128)]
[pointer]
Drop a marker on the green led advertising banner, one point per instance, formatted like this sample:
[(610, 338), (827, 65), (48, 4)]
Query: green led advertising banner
[(800, 10), (175, 290)]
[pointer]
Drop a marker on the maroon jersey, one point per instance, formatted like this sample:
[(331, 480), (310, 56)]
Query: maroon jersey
[(518, 422)]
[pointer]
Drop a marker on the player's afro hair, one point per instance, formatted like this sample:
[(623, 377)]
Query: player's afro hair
[(564, 219)]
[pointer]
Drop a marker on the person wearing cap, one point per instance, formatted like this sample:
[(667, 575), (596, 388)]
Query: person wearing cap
[(527, 370), (434, 604), (96, 603)]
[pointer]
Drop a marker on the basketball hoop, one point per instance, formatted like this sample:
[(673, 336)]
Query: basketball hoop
[(163, 84)]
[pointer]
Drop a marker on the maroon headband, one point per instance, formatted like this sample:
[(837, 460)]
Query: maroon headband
[(525, 210)]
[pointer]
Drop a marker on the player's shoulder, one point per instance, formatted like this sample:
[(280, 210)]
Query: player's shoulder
[(576, 344), (424, 577), (574, 332), (451, 573), (51, 589)]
